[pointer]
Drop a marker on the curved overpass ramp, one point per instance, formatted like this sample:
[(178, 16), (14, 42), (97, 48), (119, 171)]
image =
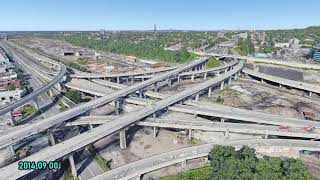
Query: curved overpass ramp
[(287, 82), (36, 93), (140, 167)]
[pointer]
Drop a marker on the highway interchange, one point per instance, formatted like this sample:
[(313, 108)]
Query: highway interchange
[(148, 84)]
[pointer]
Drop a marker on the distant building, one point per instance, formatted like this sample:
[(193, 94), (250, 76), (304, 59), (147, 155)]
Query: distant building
[(282, 45), (220, 34), (294, 41), (315, 54), (243, 35)]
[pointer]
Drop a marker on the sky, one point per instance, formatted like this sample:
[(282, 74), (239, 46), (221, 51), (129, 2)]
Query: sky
[(41, 15)]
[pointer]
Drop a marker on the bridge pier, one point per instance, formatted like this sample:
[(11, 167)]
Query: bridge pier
[(90, 126), (222, 120), (155, 132), (12, 119), (209, 91), (192, 77), (218, 73), (72, 166), (190, 134), (197, 96), (118, 79), (35, 99), (227, 134), (280, 85), (266, 136), (132, 79), (11, 149), (205, 75), (310, 93), (229, 81), (184, 164), (123, 143), (51, 137), (141, 93), (179, 78), (138, 177), (261, 80), (155, 87), (118, 106), (225, 70), (169, 82), (221, 86)]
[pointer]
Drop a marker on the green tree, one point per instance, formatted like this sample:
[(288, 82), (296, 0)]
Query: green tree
[(74, 95)]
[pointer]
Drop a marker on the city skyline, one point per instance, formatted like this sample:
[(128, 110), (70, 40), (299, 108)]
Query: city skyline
[(142, 15)]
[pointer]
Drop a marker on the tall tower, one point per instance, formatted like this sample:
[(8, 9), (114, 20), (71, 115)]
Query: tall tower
[(154, 28)]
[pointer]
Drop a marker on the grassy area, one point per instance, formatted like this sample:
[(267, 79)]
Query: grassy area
[(240, 51), (229, 92), (213, 62), (62, 106), (28, 110), (102, 162), (195, 174), (69, 176)]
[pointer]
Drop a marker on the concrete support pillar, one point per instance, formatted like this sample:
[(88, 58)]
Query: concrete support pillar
[(218, 73), (266, 136), (132, 79), (226, 134), (155, 87), (221, 86), (141, 94), (280, 85), (209, 91), (118, 106), (154, 115), (138, 177), (169, 82), (90, 126), (229, 81), (190, 134), (35, 99), (72, 166), (179, 78), (310, 93), (222, 120), (184, 164), (51, 137), (155, 132), (123, 143), (197, 96), (236, 76), (12, 119), (50, 92), (192, 77), (261, 80), (11, 149), (205, 75), (195, 115), (225, 70), (118, 80), (142, 79)]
